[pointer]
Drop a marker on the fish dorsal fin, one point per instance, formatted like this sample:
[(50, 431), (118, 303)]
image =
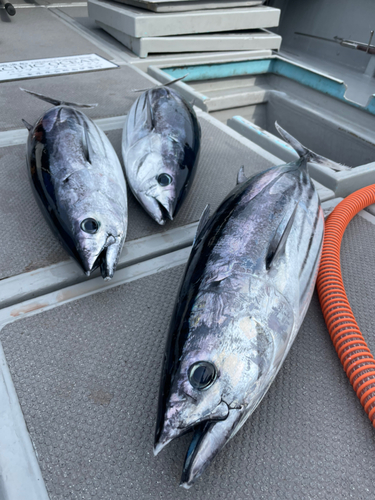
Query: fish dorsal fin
[(56, 102), (27, 125), (279, 239), (241, 177), (54, 117), (202, 222), (162, 85)]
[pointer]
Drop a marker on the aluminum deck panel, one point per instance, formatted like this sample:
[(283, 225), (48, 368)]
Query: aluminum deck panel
[(28, 243), (43, 35), (87, 376), (139, 22)]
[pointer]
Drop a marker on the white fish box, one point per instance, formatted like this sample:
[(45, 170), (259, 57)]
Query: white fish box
[(140, 23), (250, 40), (185, 5)]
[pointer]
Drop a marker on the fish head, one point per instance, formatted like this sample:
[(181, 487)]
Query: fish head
[(214, 384), (157, 186), (99, 233)]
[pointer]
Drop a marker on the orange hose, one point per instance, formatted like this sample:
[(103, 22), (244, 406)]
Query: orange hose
[(346, 336)]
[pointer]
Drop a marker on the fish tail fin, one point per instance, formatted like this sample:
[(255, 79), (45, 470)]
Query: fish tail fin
[(303, 152), (56, 102), (163, 84)]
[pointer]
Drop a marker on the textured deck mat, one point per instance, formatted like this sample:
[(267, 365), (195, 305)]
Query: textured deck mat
[(111, 89), (37, 33), (87, 376), (27, 242)]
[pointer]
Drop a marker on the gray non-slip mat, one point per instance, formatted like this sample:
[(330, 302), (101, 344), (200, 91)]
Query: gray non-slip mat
[(36, 33), (87, 376), (111, 89), (27, 242)]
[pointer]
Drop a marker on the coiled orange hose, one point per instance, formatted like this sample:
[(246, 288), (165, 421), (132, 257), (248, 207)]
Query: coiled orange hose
[(346, 336)]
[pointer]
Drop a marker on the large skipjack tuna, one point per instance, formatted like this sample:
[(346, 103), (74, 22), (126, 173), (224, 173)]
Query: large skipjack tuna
[(245, 292), (160, 149), (79, 185)]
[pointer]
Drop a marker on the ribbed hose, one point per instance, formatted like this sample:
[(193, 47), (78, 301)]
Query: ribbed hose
[(346, 336)]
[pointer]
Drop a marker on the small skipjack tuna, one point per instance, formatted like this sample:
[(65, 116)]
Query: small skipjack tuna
[(79, 185), (245, 293), (160, 149)]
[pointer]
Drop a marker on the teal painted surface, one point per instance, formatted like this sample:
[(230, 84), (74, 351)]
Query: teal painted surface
[(289, 70), (371, 106), (309, 78), (224, 70)]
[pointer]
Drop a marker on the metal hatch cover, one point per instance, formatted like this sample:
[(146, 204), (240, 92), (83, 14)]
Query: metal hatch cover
[(139, 22), (186, 5), (238, 40)]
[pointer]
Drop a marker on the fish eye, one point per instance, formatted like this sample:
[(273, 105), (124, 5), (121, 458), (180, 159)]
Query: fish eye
[(90, 225), (164, 180), (202, 374)]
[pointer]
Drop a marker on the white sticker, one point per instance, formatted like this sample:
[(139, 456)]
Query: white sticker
[(36, 68)]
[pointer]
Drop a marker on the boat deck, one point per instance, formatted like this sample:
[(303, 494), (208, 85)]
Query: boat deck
[(81, 358)]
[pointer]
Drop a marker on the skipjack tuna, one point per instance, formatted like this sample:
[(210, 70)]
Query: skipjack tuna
[(79, 184), (246, 289), (160, 149)]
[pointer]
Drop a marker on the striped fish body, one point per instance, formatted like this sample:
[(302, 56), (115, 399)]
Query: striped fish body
[(79, 185), (160, 149), (246, 290)]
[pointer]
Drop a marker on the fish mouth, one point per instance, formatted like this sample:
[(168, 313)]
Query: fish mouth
[(107, 258), (166, 213), (173, 429), (160, 211), (208, 440), (209, 437)]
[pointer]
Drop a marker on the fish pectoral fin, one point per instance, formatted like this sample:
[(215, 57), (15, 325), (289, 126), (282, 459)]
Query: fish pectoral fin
[(280, 237), (208, 439), (202, 222), (241, 177), (27, 125)]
